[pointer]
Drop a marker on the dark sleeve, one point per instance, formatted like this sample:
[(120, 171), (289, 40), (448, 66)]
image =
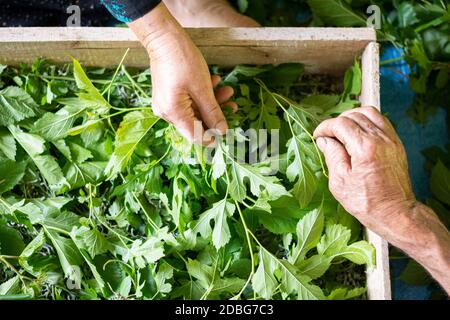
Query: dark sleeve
[(129, 10)]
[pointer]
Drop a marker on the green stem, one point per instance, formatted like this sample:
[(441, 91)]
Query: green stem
[(250, 249)]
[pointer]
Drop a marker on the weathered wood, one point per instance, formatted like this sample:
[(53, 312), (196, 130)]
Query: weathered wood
[(322, 50), (378, 279)]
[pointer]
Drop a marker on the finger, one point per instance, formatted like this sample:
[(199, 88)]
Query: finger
[(215, 79), (224, 94), (210, 111), (375, 116), (345, 130), (232, 105), (368, 126), (337, 159), (188, 125)]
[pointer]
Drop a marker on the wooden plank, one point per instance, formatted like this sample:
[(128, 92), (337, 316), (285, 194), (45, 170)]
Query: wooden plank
[(378, 279), (322, 50)]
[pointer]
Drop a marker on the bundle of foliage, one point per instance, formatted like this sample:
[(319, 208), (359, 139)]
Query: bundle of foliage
[(420, 28), (101, 199)]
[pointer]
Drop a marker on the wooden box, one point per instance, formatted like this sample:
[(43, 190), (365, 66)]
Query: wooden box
[(322, 50)]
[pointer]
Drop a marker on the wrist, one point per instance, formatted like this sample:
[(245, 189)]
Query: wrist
[(157, 29)]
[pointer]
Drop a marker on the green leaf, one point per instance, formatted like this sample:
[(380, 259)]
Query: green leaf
[(294, 282), (298, 170), (11, 173), (352, 87), (7, 144), (78, 153), (165, 272), (54, 126), (31, 248), (258, 182), (315, 266), (309, 231), (132, 130), (91, 98), (10, 287), (264, 282), (15, 105), (64, 221), (334, 241), (51, 171), (91, 240), (148, 251), (33, 144), (219, 212), (11, 241), (336, 13), (78, 175), (284, 216), (343, 293), (406, 15), (360, 252), (69, 256), (440, 182), (218, 164), (47, 165)]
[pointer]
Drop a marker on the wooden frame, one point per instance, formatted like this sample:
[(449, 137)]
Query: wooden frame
[(322, 50)]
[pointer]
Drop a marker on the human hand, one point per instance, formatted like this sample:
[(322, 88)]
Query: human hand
[(182, 85), (368, 168), (208, 13)]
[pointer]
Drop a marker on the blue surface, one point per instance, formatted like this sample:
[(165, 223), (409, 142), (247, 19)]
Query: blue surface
[(396, 99)]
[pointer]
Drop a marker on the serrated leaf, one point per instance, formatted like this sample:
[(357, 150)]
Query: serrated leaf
[(32, 143), (360, 252), (334, 241), (7, 144), (10, 287), (300, 171), (91, 98), (219, 212), (91, 240), (69, 256), (258, 182), (294, 282), (264, 282), (218, 164), (309, 231), (79, 154), (54, 126), (336, 13), (165, 272), (315, 266), (132, 130), (11, 172), (11, 241), (15, 105), (47, 165)]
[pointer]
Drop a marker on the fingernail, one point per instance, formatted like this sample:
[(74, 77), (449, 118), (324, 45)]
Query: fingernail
[(222, 127), (321, 143)]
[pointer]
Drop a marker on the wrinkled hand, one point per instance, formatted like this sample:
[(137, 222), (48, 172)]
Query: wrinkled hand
[(368, 168), (182, 85)]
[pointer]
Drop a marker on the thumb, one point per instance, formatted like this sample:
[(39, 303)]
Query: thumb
[(210, 111), (336, 156)]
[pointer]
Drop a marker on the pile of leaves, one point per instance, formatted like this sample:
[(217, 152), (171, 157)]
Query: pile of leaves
[(100, 199)]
